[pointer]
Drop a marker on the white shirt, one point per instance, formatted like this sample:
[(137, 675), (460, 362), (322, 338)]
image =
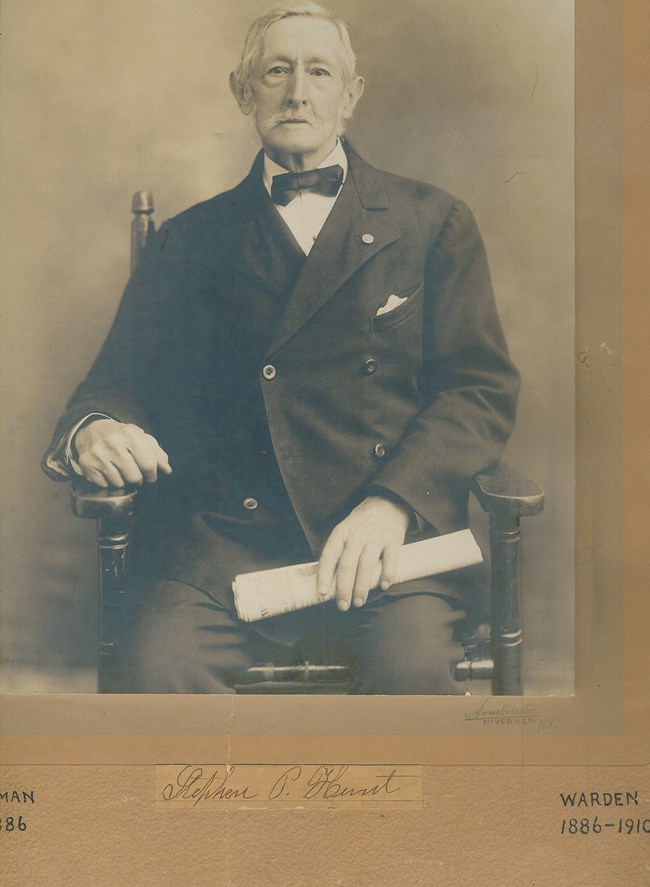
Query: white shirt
[(306, 214)]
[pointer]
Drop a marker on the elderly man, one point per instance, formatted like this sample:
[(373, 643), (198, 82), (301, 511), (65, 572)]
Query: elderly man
[(309, 366)]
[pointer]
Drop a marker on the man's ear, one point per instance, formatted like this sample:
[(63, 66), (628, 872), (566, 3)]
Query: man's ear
[(355, 91), (240, 98)]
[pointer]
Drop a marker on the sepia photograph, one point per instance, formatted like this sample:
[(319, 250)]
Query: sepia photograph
[(323, 442), (289, 319)]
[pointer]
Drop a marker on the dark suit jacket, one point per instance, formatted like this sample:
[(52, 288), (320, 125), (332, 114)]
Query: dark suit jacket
[(211, 305)]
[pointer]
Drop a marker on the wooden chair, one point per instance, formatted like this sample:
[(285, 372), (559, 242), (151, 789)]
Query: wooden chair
[(492, 652)]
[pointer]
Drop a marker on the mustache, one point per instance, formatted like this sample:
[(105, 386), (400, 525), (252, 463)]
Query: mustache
[(282, 117)]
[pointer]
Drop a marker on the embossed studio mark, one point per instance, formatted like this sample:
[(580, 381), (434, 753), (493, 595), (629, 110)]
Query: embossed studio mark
[(526, 715)]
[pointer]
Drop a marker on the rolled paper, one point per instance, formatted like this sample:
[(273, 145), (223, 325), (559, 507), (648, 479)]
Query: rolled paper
[(266, 593)]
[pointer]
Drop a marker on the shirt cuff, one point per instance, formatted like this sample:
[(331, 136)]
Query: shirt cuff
[(62, 459)]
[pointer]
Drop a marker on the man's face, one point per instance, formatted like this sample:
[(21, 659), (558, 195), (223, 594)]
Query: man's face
[(299, 94)]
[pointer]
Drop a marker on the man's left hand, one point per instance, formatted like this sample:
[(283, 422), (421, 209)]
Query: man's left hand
[(368, 539)]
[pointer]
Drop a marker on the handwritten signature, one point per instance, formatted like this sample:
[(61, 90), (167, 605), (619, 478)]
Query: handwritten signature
[(327, 782), (198, 785)]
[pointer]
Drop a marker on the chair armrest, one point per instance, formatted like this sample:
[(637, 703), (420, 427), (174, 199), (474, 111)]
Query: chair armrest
[(507, 495), (506, 492), (94, 502)]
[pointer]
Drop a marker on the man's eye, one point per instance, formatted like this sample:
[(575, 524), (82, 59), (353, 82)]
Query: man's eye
[(320, 72), (277, 69)]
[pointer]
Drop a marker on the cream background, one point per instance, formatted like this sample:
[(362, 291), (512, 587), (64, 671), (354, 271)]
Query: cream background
[(101, 99)]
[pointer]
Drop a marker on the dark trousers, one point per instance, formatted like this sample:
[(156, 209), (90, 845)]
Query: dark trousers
[(182, 640)]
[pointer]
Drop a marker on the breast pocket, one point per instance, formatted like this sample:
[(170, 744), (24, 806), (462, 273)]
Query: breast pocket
[(413, 303)]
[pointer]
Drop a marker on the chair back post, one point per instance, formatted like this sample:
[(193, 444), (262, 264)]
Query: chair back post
[(142, 225), (113, 509)]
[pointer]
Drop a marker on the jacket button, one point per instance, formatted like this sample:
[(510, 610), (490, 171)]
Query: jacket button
[(250, 504), (269, 371), (380, 450), (370, 366), (368, 238)]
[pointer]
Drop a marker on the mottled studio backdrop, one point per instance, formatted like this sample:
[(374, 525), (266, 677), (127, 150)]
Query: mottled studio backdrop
[(102, 98)]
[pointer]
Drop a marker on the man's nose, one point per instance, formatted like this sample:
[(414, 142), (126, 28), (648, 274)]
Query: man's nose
[(297, 89)]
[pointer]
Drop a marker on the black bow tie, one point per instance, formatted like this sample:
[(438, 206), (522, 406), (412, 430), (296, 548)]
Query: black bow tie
[(326, 180)]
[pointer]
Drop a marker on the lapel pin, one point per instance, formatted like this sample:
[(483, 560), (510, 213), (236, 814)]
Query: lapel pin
[(368, 238)]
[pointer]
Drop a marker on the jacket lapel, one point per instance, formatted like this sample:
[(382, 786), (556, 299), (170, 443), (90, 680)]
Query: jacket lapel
[(358, 227), (268, 251)]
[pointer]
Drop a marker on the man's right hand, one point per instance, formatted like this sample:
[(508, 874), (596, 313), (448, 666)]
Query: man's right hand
[(114, 454)]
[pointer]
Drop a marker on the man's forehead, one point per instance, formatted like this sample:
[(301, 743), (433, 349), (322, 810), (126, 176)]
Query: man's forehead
[(305, 36)]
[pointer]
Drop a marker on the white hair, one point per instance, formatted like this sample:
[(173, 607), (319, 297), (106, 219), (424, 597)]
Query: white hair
[(252, 50)]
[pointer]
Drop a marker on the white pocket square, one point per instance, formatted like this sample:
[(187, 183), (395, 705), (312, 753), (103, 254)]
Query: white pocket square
[(392, 303)]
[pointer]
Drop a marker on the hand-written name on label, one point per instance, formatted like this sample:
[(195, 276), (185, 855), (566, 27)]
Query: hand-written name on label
[(299, 786)]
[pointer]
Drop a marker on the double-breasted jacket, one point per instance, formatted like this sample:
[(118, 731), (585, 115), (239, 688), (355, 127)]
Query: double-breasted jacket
[(280, 393)]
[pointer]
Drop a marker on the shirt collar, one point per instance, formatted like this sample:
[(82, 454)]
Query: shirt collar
[(271, 168)]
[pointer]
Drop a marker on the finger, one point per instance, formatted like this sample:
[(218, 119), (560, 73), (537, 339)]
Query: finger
[(128, 468), (145, 457), (163, 460), (390, 561), (367, 572), (148, 454), (328, 562), (108, 457), (93, 476), (107, 470), (346, 574), (97, 468), (112, 474)]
